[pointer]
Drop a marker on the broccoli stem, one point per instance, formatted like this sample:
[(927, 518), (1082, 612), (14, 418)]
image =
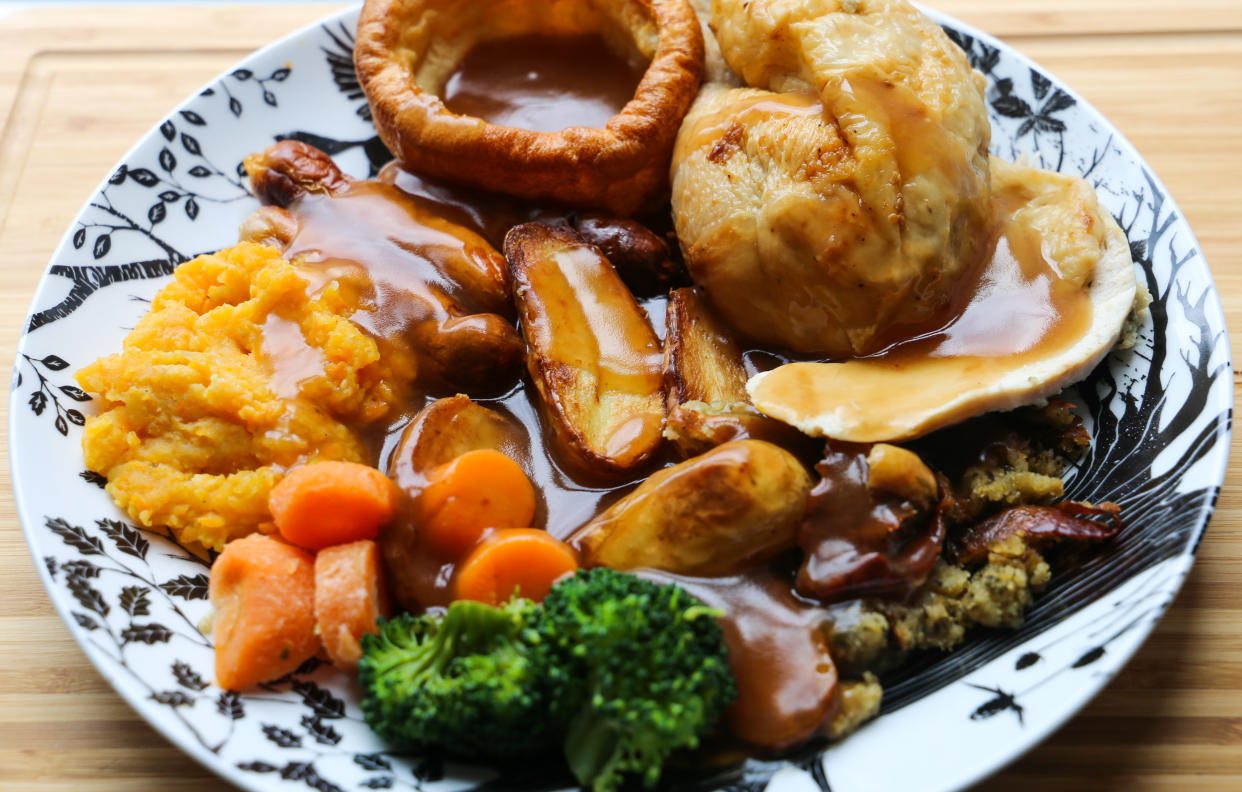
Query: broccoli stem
[(591, 748)]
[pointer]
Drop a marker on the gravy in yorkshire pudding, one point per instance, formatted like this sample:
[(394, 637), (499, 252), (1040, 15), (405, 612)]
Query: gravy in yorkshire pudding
[(538, 82), (408, 52)]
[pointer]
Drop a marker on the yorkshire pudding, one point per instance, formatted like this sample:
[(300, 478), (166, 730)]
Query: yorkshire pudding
[(407, 49)]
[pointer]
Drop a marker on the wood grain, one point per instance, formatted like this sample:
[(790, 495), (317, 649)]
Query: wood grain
[(79, 86)]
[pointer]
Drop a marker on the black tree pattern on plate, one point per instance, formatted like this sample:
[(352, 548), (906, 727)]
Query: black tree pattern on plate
[(141, 196), (339, 54), (243, 76), (1143, 606), (1120, 461), (1038, 113)]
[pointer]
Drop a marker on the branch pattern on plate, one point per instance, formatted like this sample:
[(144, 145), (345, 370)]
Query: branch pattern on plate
[(1142, 606), (1132, 416), (140, 197), (147, 612), (247, 76), (47, 393), (339, 53)]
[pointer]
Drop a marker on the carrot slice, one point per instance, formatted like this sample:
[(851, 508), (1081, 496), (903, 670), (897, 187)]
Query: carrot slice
[(328, 503), (350, 598), (478, 490), (523, 561), (263, 599)]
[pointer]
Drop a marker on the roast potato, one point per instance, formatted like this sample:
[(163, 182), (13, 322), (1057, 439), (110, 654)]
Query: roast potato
[(441, 432), (448, 428), (733, 507), (703, 362), (705, 382), (591, 352)]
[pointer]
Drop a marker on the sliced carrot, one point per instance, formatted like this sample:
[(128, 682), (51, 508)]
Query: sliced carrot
[(263, 600), (523, 561), (329, 503), (478, 490), (349, 598)]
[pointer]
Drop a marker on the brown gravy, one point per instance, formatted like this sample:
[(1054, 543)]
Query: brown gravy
[(386, 246), (288, 357), (787, 682), (488, 214), (1015, 305), (542, 83), (1015, 310), (379, 239), (786, 677), (859, 542), (376, 243)]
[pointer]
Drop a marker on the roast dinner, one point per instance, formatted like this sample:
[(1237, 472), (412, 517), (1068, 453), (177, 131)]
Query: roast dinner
[(689, 367)]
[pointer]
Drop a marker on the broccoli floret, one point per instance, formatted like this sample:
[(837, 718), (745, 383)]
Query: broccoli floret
[(622, 670), (467, 682), (651, 672)]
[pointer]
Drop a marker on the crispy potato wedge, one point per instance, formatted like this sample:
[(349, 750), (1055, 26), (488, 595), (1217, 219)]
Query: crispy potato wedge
[(716, 514), (590, 350), (696, 427), (702, 361), (705, 382)]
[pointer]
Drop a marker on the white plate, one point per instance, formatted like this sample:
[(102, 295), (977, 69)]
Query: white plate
[(1160, 419)]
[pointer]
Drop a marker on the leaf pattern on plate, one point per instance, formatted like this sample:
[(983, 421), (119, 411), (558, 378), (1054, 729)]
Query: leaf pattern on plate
[(46, 393), (187, 587)]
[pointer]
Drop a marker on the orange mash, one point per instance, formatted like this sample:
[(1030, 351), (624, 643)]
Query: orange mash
[(235, 375)]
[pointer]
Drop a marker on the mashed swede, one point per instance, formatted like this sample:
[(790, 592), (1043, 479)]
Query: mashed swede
[(198, 419)]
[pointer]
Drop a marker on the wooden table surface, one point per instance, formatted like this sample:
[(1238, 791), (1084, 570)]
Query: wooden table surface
[(79, 85)]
